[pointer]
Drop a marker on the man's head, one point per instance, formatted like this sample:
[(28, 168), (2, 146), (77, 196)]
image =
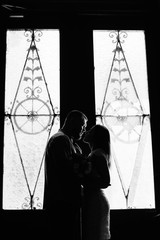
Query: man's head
[(75, 124)]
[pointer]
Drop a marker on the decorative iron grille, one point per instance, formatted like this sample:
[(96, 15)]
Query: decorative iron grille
[(29, 120), (123, 112)]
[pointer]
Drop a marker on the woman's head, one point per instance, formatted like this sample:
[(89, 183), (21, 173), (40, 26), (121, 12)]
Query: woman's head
[(98, 137)]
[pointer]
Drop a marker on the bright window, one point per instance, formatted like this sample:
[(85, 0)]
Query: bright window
[(32, 105), (122, 104)]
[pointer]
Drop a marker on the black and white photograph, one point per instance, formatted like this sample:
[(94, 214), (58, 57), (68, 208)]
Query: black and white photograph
[(80, 148)]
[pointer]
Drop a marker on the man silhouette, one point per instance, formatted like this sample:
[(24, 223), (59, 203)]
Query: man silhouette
[(62, 197)]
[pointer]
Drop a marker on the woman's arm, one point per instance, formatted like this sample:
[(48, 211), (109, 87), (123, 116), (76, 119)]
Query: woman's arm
[(99, 176)]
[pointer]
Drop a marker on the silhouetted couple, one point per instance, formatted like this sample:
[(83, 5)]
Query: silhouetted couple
[(74, 182)]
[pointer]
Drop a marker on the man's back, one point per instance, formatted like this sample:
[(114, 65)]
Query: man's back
[(61, 182)]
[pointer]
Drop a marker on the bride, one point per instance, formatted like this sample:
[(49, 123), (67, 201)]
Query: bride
[(96, 210)]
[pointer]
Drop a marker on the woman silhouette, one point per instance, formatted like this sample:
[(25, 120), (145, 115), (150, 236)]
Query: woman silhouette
[(96, 210)]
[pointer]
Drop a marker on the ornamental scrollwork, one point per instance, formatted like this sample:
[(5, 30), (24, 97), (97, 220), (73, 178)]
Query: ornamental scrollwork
[(32, 92), (32, 203), (33, 35), (121, 111), (32, 108), (118, 36)]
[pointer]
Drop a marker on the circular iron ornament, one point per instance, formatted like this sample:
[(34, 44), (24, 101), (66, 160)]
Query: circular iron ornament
[(124, 120), (32, 116)]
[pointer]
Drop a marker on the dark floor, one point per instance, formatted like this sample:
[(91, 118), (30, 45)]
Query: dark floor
[(125, 225)]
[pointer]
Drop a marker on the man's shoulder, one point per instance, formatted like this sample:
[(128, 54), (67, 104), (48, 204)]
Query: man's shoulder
[(59, 136)]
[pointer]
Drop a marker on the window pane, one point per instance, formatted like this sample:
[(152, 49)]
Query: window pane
[(31, 113), (122, 104)]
